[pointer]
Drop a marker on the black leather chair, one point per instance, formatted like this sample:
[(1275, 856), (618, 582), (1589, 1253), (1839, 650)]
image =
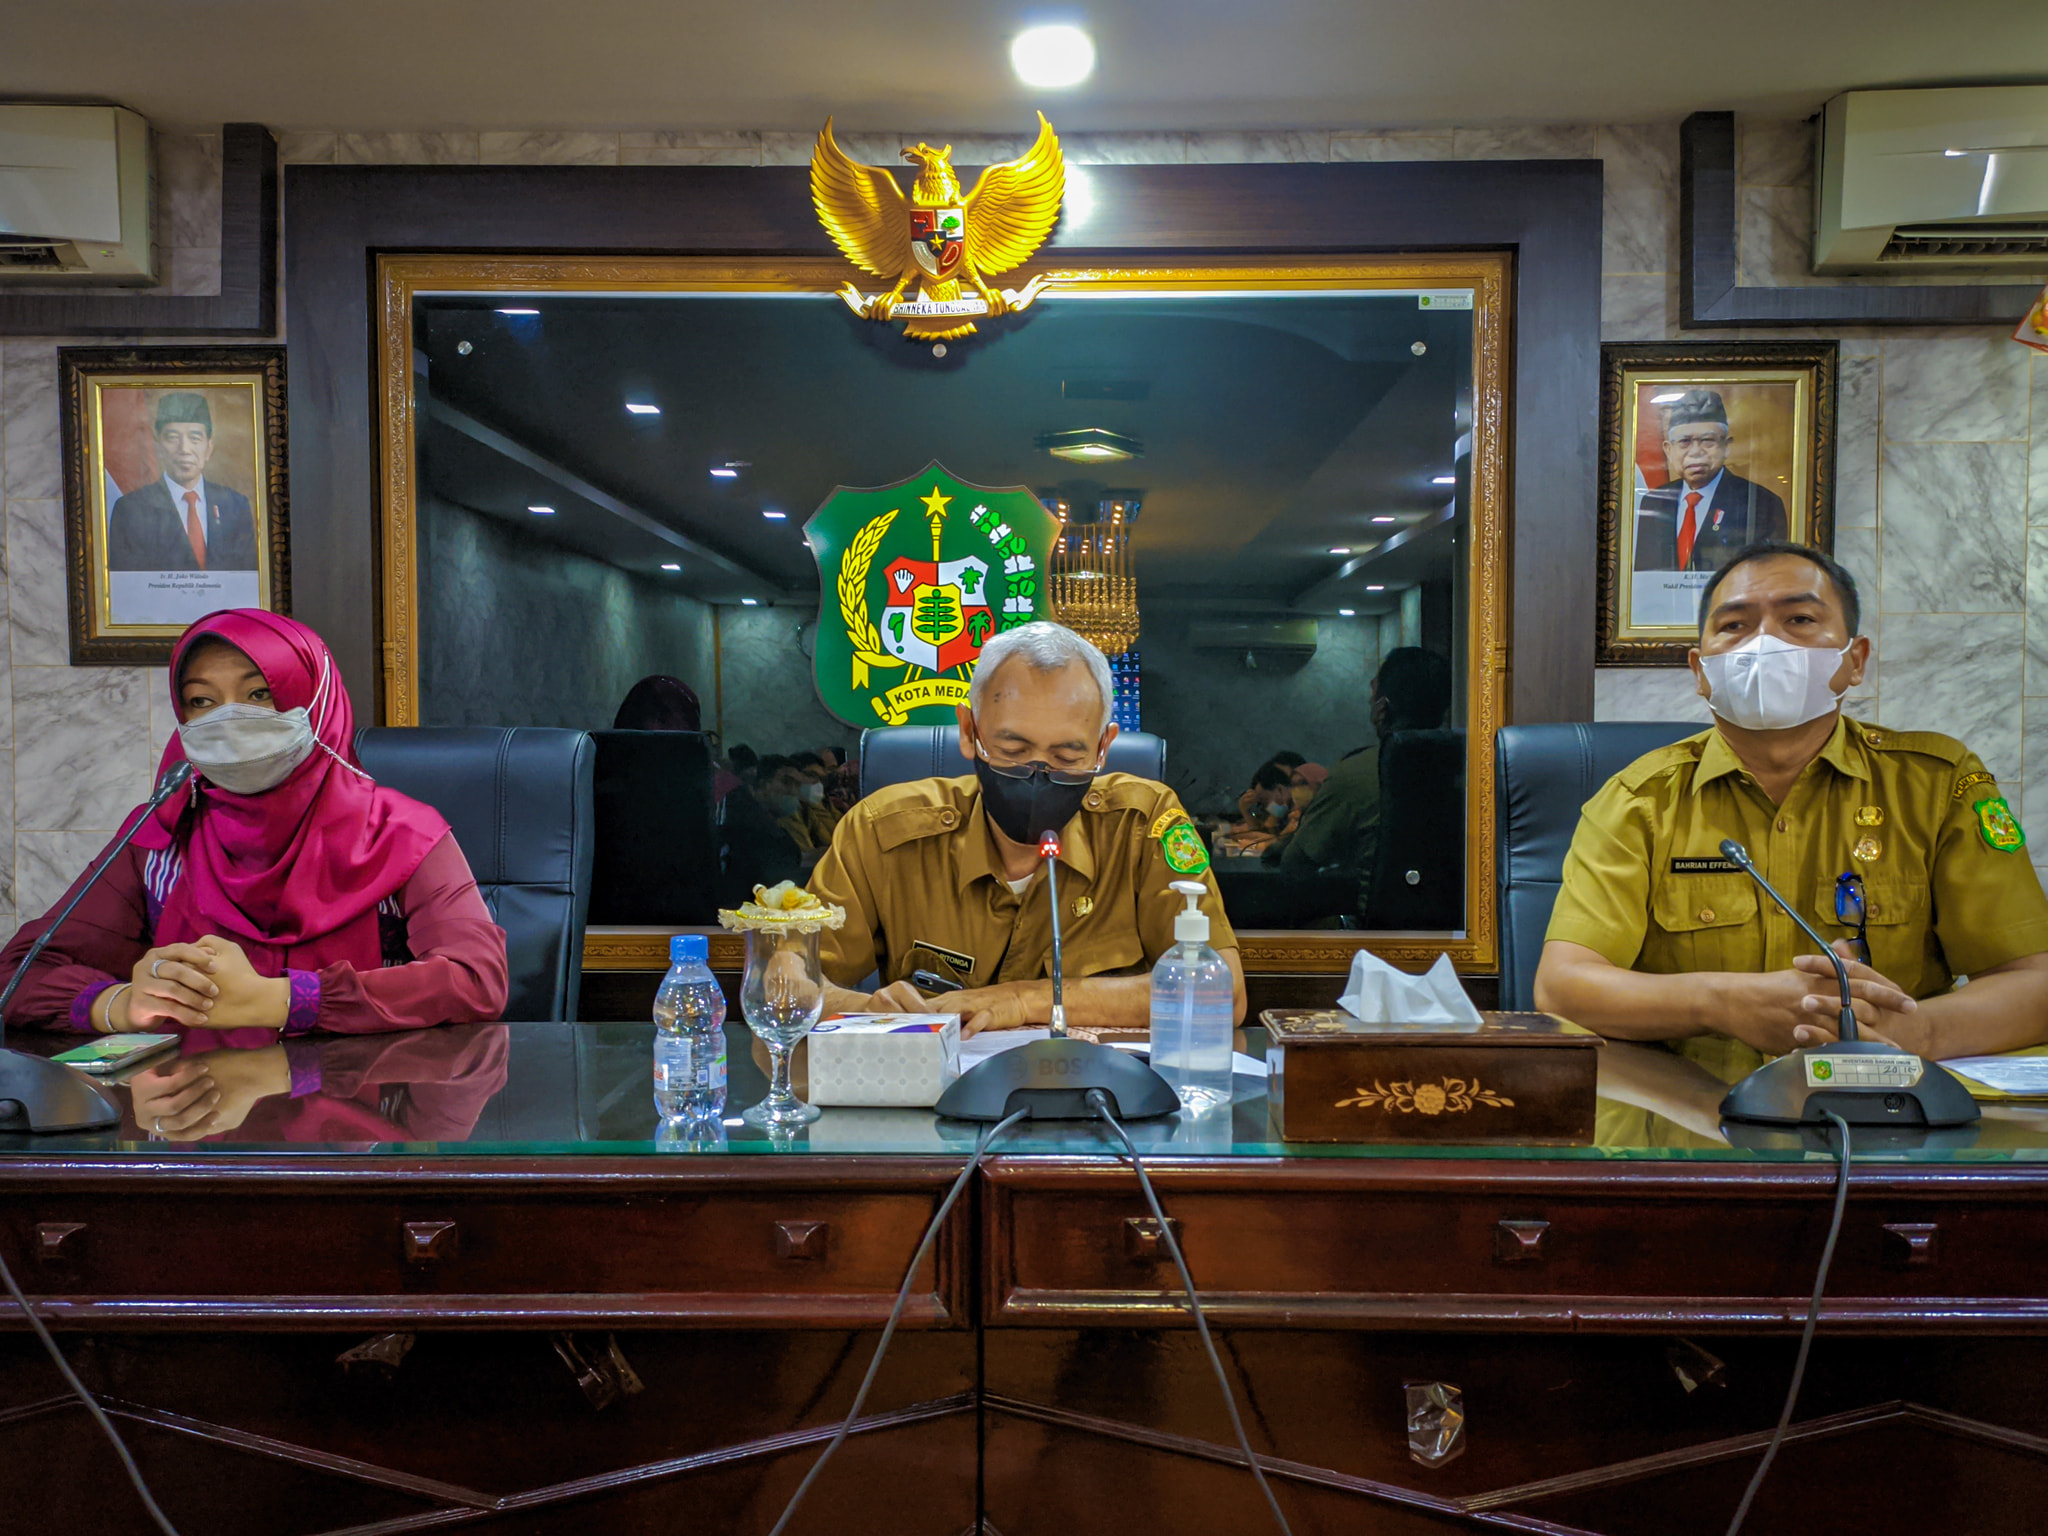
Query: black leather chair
[(1543, 775), (656, 857), (1417, 879), (519, 801), (896, 754)]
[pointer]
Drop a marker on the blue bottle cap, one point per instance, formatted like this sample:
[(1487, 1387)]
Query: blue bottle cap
[(689, 946)]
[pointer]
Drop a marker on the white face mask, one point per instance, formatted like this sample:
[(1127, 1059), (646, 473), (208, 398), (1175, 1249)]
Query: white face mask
[(811, 794), (246, 748), (1768, 684)]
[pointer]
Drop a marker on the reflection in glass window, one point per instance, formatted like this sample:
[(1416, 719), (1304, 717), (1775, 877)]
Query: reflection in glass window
[(1290, 470)]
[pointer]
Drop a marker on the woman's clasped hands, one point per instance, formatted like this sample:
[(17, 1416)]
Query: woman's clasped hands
[(208, 984)]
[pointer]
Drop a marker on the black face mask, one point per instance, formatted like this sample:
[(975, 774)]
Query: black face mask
[(1032, 804)]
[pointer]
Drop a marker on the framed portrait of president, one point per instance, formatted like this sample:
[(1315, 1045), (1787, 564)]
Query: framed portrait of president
[(1705, 449), (174, 493)]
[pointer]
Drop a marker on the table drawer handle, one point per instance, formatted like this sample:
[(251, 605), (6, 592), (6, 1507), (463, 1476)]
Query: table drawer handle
[(59, 1242), (1145, 1242), (1521, 1242), (430, 1243), (802, 1239), (1911, 1244)]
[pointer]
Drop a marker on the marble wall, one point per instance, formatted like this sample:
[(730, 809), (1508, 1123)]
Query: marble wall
[(765, 695), (1314, 705), (1943, 470), (568, 634)]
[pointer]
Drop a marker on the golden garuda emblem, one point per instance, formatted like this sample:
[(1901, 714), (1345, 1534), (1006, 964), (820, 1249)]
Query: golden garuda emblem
[(935, 237)]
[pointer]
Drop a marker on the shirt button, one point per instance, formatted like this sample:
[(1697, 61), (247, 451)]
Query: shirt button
[(1094, 800), (1706, 914), (1784, 825), (947, 818)]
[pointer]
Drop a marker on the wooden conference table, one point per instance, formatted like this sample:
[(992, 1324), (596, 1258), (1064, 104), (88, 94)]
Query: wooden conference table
[(542, 1319)]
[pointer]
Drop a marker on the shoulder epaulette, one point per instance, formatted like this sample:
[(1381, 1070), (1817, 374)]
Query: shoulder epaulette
[(1927, 743), (1684, 753)]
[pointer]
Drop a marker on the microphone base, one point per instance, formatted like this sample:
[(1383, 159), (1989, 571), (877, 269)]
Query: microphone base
[(1051, 1079), (45, 1097), (1786, 1092)]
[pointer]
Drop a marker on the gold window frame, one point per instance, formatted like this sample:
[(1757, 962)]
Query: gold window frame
[(403, 279)]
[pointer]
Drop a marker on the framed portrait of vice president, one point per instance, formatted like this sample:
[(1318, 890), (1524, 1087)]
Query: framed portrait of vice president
[(174, 493), (1705, 449)]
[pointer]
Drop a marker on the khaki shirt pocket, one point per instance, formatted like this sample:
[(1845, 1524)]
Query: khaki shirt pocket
[(1109, 952), (1895, 923), (1704, 923)]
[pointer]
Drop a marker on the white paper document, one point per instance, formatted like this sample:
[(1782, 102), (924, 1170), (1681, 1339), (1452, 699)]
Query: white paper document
[(978, 1048), (2023, 1075)]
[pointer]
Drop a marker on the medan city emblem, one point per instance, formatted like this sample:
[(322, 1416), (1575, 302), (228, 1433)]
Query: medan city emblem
[(914, 578), (936, 237)]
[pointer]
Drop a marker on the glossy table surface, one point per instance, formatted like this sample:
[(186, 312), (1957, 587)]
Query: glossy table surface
[(568, 1090)]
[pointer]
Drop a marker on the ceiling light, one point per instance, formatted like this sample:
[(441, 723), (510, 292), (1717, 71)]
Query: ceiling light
[(1052, 56), (1375, 589), (720, 472), (670, 565), (1955, 154), (1384, 518), (774, 517), (1347, 613), (542, 511), (1090, 445), (518, 311), (1445, 480), (750, 602), (642, 408), (1341, 549)]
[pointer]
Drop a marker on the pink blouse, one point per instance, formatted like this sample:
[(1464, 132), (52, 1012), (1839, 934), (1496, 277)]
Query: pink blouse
[(444, 957)]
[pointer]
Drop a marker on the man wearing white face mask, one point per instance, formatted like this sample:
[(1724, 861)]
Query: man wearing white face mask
[(1899, 841)]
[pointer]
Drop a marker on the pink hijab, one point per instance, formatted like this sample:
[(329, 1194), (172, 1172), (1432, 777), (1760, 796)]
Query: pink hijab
[(293, 875)]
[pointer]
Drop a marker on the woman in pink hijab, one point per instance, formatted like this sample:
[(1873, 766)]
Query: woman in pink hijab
[(281, 890)]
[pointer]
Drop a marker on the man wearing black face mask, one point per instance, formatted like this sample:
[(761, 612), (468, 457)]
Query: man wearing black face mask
[(941, 877), (1341, 827)]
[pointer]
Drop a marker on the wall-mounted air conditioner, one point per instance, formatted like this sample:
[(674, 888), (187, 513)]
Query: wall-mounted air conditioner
[(1265, 637), (75, 195), (1923, 180)]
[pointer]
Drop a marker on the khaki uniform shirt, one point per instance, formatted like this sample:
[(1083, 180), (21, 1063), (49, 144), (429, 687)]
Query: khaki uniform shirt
[(1948, 888), (915, 867)]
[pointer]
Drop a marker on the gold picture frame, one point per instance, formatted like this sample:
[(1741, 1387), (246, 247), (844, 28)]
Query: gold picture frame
[(1703, 448), (141, 428), (402, 279)]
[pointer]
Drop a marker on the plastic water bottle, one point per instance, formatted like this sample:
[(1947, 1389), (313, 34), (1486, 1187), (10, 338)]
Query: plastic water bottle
[(689, 1033), (692, 1133), (1192, 1009)]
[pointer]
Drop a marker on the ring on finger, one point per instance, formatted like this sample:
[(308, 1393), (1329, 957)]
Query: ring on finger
[(154, 973)]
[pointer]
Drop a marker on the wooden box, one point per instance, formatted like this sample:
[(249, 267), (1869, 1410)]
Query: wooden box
[(1521, 1078)]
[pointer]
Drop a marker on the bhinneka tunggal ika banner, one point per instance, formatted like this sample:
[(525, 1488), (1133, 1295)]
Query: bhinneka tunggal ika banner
[(913, 579)]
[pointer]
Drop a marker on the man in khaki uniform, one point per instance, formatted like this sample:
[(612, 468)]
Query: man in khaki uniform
[(941, 878), (1656, 936)]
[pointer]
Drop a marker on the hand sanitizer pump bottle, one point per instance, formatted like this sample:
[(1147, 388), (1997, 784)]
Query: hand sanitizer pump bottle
[(1192, 1009)]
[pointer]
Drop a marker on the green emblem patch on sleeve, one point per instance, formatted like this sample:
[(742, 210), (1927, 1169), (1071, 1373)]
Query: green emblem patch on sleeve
[(1182, 845), (2001, 829)]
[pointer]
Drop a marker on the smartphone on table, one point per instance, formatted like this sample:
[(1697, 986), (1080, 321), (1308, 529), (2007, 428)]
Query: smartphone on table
[(110, 1053)]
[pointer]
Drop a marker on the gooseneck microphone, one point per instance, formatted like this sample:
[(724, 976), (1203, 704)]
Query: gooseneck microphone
[(1738, 855), (1051, 1079), (1049, 851), (1853, 1081), (42, 1096)]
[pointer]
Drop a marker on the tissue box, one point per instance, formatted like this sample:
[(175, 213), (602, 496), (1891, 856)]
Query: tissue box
[(886, 1060), (1524, 1079)]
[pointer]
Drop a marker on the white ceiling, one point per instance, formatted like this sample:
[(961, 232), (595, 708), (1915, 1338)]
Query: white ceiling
[(387, 65)]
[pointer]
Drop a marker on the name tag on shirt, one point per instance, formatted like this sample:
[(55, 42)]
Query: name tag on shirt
[(1705, 867)]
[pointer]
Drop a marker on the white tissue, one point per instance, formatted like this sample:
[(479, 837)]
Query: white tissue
[(1378, 994)]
